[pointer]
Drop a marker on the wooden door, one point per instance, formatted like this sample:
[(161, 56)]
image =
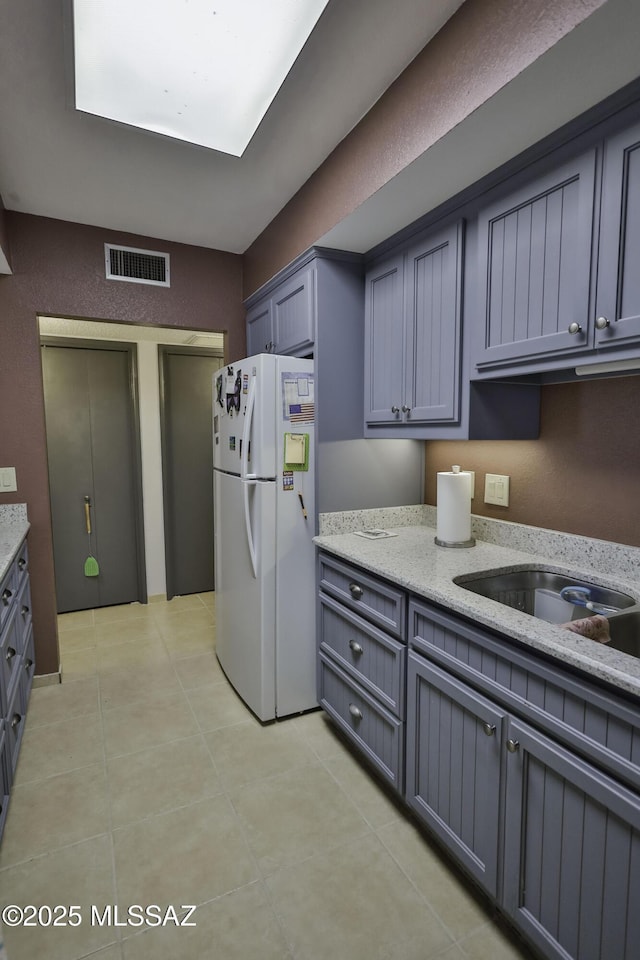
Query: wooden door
[(93, 451), (187, 464)]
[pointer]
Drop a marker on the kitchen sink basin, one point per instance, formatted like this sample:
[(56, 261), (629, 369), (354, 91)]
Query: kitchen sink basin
[(517, 589)]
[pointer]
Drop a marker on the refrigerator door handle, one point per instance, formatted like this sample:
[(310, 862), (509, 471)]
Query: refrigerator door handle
[(247, 524), (246, 440)]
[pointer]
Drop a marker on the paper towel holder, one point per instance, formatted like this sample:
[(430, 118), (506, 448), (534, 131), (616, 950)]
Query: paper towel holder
[(454, 543)]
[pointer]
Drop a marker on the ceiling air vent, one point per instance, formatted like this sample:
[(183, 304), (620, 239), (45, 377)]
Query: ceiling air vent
[(136, 266)]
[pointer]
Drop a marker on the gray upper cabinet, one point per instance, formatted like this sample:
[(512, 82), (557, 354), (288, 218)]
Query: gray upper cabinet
[(534, 274), (413, 333), (618, 297), (284, 323), (260, 328)]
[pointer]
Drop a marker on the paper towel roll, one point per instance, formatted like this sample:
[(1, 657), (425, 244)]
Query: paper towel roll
[(453, 526)]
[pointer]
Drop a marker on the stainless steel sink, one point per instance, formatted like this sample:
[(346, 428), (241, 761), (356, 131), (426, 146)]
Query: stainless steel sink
[(517, 589)]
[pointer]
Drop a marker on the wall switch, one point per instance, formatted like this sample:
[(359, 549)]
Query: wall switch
[(8, 479), (496, 489)]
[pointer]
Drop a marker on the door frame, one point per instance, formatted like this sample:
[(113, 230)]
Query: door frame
[(168, 499), (131, 351)]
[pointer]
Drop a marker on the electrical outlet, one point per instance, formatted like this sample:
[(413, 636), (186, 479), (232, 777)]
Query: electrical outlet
[(496, 489), (8, 480)]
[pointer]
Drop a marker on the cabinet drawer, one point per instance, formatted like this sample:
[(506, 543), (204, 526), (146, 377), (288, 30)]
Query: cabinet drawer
[(10, 658), (374, 659), (23, 613), (377, 733), (27, 670), (599, 725), (21, 565), (5, 778), (7, 595), (14, 726), (373, 599)]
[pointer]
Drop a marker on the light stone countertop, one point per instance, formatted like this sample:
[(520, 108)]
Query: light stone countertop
[(412, 560), (14, 527)]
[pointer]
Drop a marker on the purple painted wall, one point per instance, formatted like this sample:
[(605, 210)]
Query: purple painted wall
[(58, 269)]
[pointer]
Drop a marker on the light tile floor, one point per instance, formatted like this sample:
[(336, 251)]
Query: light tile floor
[(143, 779)]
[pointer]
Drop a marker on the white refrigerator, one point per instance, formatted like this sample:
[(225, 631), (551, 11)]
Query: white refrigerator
[(263, 457)]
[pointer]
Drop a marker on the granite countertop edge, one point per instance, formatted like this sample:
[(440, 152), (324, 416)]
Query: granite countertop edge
[(413, 561), (14, 527)]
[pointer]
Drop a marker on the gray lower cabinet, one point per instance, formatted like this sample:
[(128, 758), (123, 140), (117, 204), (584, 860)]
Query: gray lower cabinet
[(17, 667), (528, 775), (361, 665), (499, 745)]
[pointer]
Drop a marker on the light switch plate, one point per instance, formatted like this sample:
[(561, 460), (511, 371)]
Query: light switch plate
[(8, 480), (496, 489)]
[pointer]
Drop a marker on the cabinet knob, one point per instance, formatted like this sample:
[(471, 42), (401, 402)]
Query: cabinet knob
[(10, 654), (6, 596), (355, 712), (574, 328), (15, 720), (489, 729), (22, 563), (513, 746), (356, 591), (356, 648), (405, 408), (28, 664), (602, 323), (395, 409), (25, 610)]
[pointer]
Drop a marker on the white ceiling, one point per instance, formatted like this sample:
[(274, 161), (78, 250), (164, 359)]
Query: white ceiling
[(57, 162)]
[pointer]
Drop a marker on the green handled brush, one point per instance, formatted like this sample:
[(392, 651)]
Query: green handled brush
[(91, 568)]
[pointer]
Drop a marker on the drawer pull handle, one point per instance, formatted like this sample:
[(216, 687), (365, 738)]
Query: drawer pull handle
[(356, 591), (356, 648), (6, 596), (10, 654), (22, 563), (513, 746), (489, 729), (15, 720), (25, 610), (28, 664), (355, 712)]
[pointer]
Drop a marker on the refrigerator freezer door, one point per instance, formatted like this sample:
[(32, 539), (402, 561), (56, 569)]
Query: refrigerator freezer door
[(244, 422), (245, 605)]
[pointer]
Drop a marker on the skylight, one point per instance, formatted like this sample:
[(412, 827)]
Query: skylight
[(204, 71)]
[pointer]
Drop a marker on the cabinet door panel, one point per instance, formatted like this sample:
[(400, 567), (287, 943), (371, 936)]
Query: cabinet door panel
[(384, 342), (293, 313), (453, 766), (260, 329), (433, 327), (535, 267), (618, 297), (572, 852)]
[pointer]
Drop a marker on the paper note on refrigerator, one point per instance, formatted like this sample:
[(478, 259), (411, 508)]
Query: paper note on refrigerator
[(298, 397), (295, 448)]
